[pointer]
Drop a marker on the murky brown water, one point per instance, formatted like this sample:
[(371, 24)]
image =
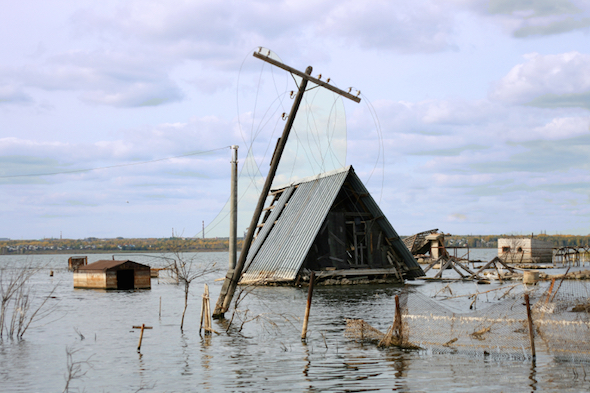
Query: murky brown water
[(267, 355)]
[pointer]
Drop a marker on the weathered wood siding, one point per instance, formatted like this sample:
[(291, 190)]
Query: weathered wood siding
[(111, 279), (108, 279), (91, 280), (142, 279), (525, 250)]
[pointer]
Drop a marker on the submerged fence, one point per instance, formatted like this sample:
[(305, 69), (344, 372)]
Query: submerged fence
[(558, 322)]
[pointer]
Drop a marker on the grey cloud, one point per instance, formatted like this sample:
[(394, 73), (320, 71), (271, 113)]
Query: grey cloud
[(449, 152), (536, 7), (407, 27), (527, 18), (13, 95), (581, 100), (135, 95), (543, 156), (107, 78), (497, 189), (557, 27), (212, 31)]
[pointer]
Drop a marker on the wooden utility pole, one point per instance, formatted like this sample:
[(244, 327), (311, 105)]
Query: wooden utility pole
[(233, 276), (233, 210)]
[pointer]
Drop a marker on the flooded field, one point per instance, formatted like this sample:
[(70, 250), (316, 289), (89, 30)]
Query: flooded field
[(266, 355)]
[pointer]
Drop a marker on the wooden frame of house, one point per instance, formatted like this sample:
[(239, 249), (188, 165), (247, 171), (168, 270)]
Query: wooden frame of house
[(111, 274)]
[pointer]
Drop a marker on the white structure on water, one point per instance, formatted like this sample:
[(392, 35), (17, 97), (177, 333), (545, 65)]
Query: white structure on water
[(525, 250)]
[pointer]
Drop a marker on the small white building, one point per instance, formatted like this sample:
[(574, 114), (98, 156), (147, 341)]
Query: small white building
[(524, 250)]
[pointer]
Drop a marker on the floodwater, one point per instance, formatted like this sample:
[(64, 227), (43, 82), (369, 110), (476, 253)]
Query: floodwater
[(266, 355)]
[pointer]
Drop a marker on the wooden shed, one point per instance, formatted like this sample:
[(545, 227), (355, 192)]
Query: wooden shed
[(111, 274)]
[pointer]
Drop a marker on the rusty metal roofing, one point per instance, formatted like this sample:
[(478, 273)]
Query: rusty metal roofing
[(106, 264), (280, 248)]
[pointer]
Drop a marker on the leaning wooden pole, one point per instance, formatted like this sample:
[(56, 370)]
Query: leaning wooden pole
[(233, 277), (233, 219)]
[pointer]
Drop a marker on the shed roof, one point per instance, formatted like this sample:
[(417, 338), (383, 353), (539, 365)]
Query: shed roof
[(280, 248), (106, 264)]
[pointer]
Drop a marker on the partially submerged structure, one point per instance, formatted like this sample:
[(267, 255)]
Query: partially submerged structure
[(76, 262), (524, 250), (418, 244), (331, 225), (111, 274)]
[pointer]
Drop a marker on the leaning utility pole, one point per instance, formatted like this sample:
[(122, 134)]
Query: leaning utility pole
[(233, 275)]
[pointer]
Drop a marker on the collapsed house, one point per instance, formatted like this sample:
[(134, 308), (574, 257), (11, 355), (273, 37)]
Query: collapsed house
[(111, 274), (328, 224)]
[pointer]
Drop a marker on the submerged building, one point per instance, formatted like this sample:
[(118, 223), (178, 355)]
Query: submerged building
[(525, 250), (328, 224), (111, 274)]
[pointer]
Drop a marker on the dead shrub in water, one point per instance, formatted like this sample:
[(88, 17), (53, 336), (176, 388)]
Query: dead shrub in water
[(186, 269), (19, 306)]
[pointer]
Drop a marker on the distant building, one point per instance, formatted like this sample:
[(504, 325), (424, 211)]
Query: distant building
[(75, 263), (110, 274), (524, 250)]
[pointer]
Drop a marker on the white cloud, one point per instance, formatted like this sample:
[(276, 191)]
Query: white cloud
[(540, 75)]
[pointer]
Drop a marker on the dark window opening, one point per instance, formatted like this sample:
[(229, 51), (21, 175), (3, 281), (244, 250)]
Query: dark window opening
[(506, 249)]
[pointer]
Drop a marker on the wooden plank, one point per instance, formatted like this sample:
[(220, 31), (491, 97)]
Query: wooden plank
[(305, 76), (355, 272)]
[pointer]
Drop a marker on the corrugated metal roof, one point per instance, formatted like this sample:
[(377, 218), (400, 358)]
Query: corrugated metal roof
[(280, 249), (280, 255), (107, 264)]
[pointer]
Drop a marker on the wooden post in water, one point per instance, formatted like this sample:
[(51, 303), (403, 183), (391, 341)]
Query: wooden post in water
[(309, 295), (233, 276), (142, 327), (206, 322), (531, 329), (397, 323)]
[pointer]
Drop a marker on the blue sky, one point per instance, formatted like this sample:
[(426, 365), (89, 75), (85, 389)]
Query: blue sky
[(480, 120)]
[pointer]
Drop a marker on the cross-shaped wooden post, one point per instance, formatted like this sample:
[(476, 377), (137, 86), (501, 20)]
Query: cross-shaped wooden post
[(142, 327), (233, 275)]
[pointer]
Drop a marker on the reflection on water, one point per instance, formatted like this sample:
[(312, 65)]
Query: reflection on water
[(260, 357)]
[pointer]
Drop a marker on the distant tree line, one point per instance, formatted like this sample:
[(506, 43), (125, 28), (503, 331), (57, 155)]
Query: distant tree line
[(96, 245), (491, 241), (120, 244)]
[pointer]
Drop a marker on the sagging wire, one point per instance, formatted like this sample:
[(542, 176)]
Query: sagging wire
[(381, 150)]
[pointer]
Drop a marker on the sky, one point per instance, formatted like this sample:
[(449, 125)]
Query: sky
[(116, 117)]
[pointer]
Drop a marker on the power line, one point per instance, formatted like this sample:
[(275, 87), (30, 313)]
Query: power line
[(114, 166)]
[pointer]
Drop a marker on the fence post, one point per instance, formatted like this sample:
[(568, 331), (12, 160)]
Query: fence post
[(531, 329)]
